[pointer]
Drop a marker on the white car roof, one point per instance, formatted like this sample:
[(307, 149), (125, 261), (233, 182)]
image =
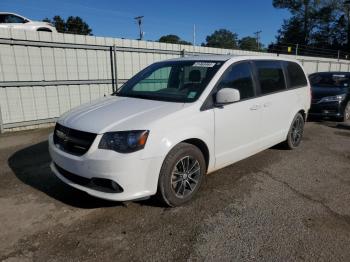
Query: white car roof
[(232, 57)]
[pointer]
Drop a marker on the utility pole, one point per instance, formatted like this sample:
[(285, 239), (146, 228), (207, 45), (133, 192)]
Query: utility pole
[(257, 36), (139, 22), (194, 34), (296, 50)]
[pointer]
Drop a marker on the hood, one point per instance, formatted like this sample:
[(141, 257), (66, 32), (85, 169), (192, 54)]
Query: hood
[(320, 92), (117, 113)]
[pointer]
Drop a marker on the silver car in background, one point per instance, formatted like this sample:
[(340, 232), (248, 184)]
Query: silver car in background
[(11, 20)]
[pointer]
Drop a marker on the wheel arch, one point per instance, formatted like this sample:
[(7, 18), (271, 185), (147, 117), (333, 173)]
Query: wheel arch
[(44, 29), (303, 113), (202, 146)]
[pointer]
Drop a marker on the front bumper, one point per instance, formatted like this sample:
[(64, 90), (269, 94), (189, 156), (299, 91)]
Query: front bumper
[(327, 110), (137, 176)]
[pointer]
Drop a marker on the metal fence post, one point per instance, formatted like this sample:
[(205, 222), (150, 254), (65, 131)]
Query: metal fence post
[(1, 123), (115, 68), (112, 69)]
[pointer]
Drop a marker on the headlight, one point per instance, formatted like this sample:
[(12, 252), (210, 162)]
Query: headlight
[(337, 98), (124, 141)]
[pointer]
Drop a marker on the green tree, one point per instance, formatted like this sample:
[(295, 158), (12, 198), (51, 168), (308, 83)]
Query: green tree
[(291, 32), (302, 10), (173, 39), (76, 25), (73, 25), (249, 43), (222, 38), (318, 26)]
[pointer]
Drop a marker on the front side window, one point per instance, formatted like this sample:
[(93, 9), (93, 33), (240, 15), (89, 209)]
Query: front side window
[(11, 19), (271, 77), (174, 81), (297, 77), (239, 77)]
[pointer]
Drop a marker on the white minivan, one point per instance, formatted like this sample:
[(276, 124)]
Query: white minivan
[(176, 121)]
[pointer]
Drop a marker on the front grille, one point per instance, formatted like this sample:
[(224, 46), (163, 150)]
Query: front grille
[(98, 184), (72, 141)]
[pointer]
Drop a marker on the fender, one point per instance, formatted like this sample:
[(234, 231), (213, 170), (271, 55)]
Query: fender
[(173, 132)]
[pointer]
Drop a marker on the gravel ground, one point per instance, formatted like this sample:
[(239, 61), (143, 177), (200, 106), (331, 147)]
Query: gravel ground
[(275, 206)]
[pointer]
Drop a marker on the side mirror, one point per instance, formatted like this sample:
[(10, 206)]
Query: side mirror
[(227, 96)]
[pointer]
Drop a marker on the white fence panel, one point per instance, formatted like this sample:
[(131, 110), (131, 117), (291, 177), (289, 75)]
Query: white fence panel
[(69, 70)]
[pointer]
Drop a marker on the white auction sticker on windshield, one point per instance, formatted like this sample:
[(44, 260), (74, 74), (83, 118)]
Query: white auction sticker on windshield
[(203, 64)]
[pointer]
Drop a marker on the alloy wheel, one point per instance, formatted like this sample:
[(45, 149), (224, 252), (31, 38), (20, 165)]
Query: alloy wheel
[(297, 131), (185, 176)]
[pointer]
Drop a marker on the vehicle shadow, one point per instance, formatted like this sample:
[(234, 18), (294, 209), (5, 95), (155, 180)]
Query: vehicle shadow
[(330, 123), (31, 165)]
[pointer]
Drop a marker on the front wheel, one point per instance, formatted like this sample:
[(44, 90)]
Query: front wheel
[(295, 133), (181, 175), (346, 114)]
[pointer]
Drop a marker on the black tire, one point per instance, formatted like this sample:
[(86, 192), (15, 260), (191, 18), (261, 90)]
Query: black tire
[(295, 133), (346, 113), (173, 175)]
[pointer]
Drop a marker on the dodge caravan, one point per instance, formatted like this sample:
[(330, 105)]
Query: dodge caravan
[(176, 121)]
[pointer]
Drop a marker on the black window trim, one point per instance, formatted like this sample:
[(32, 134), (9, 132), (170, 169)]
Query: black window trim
[(209, 102)]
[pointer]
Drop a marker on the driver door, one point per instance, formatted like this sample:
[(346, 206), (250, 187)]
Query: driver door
[(237, 125)]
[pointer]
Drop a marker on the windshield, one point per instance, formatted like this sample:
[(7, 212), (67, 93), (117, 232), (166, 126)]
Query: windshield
[(330, 80), (175, 81)]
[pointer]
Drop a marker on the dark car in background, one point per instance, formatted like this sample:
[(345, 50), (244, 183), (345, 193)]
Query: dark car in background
[(330, 95)]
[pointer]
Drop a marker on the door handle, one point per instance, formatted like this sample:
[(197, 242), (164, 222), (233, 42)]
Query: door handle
[(255, 107)]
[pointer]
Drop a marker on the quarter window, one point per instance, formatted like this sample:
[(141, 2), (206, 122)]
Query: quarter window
[(239, 77), (296, 75), (271, 77)]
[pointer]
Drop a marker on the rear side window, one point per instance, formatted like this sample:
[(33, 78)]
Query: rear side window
[(239, 77), (297, 77), (271, 77)]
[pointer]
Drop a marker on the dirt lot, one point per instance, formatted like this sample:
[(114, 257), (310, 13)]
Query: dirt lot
[(276, 206)]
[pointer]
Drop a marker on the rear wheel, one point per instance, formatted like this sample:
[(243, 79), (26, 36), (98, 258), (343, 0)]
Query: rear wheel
[(295, 133), (181, 175)]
